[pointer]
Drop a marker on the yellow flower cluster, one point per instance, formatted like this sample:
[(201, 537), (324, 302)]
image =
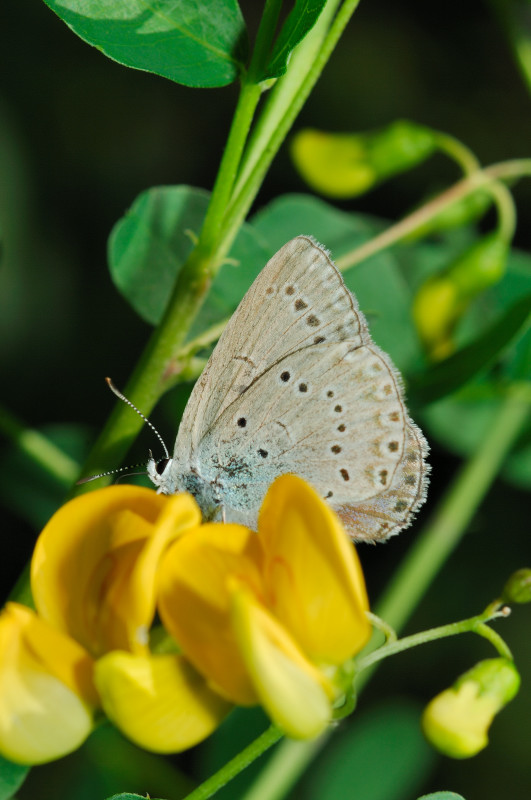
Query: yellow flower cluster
[(267, 617)]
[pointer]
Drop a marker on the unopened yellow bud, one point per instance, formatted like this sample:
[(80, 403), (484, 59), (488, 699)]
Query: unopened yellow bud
[(456, 722), (443, 299), (349, 164)]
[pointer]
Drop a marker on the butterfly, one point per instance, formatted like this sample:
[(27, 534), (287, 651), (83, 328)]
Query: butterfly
[(296, 385)]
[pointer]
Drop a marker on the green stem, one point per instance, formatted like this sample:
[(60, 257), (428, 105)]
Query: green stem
[(485, 178), (458, 152), (495, 639), (286, 101), (236, 765), (282, 96), (381, 625), (243, 116), (502, 197), (248, 101), (472, 625)]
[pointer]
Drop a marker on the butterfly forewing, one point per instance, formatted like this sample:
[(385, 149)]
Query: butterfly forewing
[(298, 298), (295, 384)]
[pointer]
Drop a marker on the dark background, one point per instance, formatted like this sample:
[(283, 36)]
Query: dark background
[(81, 136)]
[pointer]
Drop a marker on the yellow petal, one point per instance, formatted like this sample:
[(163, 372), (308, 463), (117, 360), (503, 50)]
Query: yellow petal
[(46, 691), (313, 575), (295, 694), (159, 702), (194, 602), (93, 568)]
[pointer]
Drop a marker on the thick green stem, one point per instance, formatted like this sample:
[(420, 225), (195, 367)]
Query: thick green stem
[(284, 94), (284, 105), (249, 97)]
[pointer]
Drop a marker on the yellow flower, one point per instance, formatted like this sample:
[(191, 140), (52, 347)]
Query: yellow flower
[(266, 618), (271, 617), (46, 693), (93, 581), (94, 565)]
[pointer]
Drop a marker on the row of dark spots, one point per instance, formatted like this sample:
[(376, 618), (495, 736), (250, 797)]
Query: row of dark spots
[(336, 448)]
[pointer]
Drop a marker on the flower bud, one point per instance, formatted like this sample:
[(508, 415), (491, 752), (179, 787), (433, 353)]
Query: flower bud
[(349, 164), (456, 722), (442, 300), (518, 587)]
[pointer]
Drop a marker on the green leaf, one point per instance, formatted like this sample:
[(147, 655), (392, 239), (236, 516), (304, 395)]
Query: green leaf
[(378, 282), (149, 245), (389, 735), (452, 373), (12, 777), (299, 22), (128, 796), (442, 796), (197, 44)]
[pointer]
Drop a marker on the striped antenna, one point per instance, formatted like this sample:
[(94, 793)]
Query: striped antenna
[(124, 399), (112, 472)]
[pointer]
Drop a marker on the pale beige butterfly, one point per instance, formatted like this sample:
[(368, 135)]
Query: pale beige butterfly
[(296, 385)]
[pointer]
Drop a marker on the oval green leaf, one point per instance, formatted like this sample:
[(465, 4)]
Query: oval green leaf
[(128, 796), (149, 245), (299, 22), (196, 44), (442, 796)]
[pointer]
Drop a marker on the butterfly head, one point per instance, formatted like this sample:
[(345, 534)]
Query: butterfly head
[(159, 472)]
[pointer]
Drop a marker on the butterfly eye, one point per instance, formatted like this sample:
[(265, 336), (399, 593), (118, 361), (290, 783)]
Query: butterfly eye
[(161, 465)]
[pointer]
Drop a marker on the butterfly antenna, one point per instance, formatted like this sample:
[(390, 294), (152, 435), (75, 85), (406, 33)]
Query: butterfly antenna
[(124, 399), (112, 472)]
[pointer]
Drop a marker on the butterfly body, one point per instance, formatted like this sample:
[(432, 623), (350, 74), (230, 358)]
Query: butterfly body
[(296, 385)]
